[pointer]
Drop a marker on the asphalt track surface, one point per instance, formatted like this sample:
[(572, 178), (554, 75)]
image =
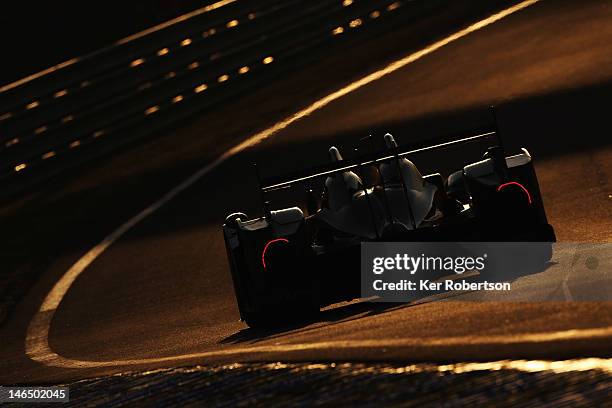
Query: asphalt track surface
[(161, 295)]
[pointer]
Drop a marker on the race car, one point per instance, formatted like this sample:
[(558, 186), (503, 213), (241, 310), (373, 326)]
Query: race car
[(289, 263)]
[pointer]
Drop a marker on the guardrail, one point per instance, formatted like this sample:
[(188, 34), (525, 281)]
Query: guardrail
[(159, 76)]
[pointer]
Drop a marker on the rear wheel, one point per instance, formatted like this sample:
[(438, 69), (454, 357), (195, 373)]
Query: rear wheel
[(291, 296)]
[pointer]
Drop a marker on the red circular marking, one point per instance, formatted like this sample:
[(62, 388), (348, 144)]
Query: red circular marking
[(515, 183), (272, 241)]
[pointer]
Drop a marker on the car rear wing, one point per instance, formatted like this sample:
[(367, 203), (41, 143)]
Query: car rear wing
[(274, 184)]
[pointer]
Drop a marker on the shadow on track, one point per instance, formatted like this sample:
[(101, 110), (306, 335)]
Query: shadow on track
[(338, 314), (344, 312)]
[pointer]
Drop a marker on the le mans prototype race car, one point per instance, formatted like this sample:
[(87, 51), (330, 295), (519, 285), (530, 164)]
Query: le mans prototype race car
[(290, 262)]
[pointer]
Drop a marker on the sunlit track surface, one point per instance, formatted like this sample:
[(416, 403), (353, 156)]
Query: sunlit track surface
[(500, 384)]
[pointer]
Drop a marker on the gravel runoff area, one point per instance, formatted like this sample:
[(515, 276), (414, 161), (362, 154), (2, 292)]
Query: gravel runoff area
[(348, 384)]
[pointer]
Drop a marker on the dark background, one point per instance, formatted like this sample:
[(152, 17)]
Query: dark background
[(38, 34)]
